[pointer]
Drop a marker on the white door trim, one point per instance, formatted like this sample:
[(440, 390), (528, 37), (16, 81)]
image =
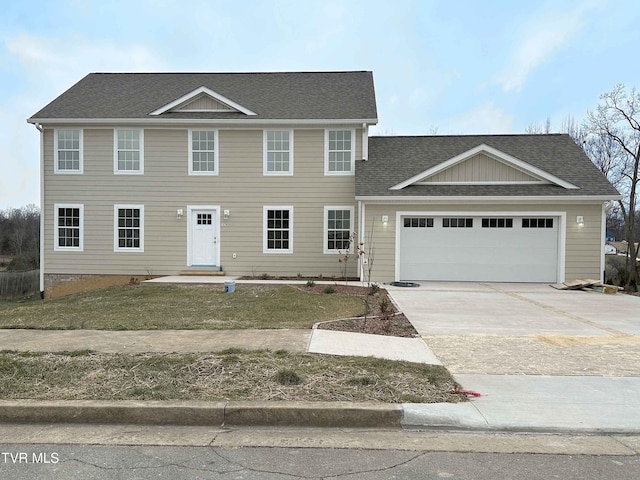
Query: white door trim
[(562, 230), (212, 208)]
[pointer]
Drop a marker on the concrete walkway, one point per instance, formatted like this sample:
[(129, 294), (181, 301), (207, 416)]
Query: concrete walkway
[(142, 341)]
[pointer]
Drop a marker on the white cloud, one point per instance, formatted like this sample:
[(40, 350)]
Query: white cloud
[(50, 66), (541, 39), (485, 119)]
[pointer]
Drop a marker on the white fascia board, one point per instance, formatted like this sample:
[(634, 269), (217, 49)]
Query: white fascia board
[(486, 199), (496, 155), (254, 122), (195, 93)]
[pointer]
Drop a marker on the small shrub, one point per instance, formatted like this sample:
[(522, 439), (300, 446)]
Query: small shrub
[(264, 276), (288, 377), (134, 281), (311, 283), (386, 308), (329, 289), (374, 288)]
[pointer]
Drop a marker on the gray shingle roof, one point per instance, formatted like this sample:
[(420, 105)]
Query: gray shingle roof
[(393, 160), (292, 95)]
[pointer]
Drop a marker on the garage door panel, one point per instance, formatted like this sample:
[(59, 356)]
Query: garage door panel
[(513, 254)]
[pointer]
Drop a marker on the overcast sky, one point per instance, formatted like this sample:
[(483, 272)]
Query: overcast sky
[(451, 67)]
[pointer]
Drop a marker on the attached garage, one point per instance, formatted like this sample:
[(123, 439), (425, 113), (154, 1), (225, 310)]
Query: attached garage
[(472, 247), (481, 208)]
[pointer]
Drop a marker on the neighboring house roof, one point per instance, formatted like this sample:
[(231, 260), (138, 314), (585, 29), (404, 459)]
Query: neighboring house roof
[(396, 167), (270, 96)]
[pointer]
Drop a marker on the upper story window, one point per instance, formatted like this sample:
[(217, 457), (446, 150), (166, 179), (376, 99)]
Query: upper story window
[(68, 150), (68, 235), (278, 230), (203, 152), (128, 150), (278, 152), (128, 228), (340, 152)]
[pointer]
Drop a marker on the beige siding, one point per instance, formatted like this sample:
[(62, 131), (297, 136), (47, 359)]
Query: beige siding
[(204, 102), (166, 186), (583, 244), (481, 168)]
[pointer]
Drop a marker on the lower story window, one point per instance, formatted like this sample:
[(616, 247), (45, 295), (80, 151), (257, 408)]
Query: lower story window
[(278, 237), (338, 229), (69, 229), (129, 228)]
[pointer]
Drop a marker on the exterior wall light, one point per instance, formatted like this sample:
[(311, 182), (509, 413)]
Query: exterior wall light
[(179, 213), (385, 220), (580, 220), (226, 214)]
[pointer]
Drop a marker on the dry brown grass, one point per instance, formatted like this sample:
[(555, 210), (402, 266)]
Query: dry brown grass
[(151, 307), (229, 375)]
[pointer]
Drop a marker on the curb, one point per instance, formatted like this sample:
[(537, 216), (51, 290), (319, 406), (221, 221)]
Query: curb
[(302, 414)]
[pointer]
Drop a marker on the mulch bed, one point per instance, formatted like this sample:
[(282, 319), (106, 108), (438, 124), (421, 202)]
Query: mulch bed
[(396, 324)]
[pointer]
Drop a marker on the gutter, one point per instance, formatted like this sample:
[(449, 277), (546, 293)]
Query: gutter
[(253, 122)]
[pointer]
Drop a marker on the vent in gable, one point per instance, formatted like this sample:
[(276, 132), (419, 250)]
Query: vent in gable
[(481, 169), (204, 103), (202, 99)]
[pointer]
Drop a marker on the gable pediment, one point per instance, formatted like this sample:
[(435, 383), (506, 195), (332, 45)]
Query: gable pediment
[(202, 99), (483, 165)]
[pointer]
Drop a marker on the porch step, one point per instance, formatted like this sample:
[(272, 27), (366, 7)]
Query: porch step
[(202, 273)]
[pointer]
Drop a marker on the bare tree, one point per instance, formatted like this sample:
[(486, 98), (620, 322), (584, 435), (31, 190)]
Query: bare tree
[(610, 136), (19, 234), (536, 128)]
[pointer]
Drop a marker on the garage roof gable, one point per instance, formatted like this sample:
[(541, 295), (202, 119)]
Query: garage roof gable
[(518, 171)]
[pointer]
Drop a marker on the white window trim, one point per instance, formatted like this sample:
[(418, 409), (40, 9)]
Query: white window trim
[(326, 229), (264, 153), (56, 233), (56, 162), (115, 153), (264, 229), (116, 248), (352, 172), (215, 151)]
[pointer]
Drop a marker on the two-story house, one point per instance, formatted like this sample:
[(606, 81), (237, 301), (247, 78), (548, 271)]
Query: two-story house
[(255, 173)]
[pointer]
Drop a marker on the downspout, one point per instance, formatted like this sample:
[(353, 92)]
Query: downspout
[(365, 141), (360, 238), (42, 209), (606, 206)]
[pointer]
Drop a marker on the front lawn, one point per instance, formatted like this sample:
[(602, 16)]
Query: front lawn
[(229, 375), (150, 307)]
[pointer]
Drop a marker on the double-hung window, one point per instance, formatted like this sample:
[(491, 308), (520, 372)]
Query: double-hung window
[(128, 145), (278, 152), (340, 152), (278, 230), (68, 235), (128, 228), (338, 228), (68, 150), (203, 152)]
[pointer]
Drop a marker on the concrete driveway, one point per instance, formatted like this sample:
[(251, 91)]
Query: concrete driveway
[(531, 329), (516, 309)]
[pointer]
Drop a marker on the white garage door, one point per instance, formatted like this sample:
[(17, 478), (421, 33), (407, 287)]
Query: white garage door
[(479, 248)]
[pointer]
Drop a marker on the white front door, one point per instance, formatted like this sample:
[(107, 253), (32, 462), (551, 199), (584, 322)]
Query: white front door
[(204, 238)]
